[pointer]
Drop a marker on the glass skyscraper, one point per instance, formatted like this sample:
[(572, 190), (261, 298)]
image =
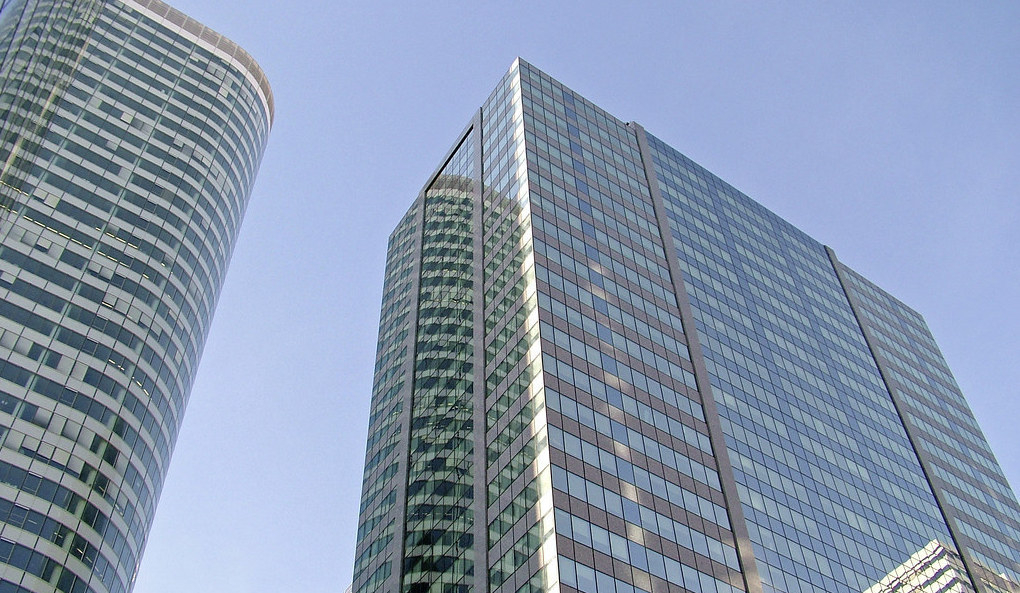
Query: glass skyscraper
[(130, 136), (602, 369)]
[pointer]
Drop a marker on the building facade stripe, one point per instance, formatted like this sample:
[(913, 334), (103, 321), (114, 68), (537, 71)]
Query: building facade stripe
[(729, 485), (481, 524), (922, 456)]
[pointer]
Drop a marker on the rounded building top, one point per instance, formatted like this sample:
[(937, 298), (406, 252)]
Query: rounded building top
[(217, 42)]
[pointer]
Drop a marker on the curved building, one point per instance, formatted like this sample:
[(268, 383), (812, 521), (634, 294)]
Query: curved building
[(130, 136)]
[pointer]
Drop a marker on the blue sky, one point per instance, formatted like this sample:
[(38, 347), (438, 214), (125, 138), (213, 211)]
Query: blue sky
[(888, 131)]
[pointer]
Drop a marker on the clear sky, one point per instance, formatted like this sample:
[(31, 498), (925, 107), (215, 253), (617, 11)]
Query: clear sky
[(888, 131)]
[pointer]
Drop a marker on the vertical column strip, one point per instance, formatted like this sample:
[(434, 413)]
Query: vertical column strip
[(890, 387), (479, 504), (400, 508), (396, 577), (748, 566)]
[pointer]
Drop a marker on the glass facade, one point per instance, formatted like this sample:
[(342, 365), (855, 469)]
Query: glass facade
[(681, 391), (438, 540), (636, 488), (131, 139), (833, 493), (976, 499)]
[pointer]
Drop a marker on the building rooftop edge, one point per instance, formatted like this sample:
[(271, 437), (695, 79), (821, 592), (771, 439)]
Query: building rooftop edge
[(230, 49), (520, 61)]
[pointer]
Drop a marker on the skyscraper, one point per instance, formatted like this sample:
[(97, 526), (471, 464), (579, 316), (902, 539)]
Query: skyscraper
[(602, 368), (129, 142)]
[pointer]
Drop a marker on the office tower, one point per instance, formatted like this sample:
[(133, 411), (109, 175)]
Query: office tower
[(129, 140), (601, 368)]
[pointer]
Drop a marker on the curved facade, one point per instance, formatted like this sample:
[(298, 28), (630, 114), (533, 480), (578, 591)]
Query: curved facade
[(129, 142)]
